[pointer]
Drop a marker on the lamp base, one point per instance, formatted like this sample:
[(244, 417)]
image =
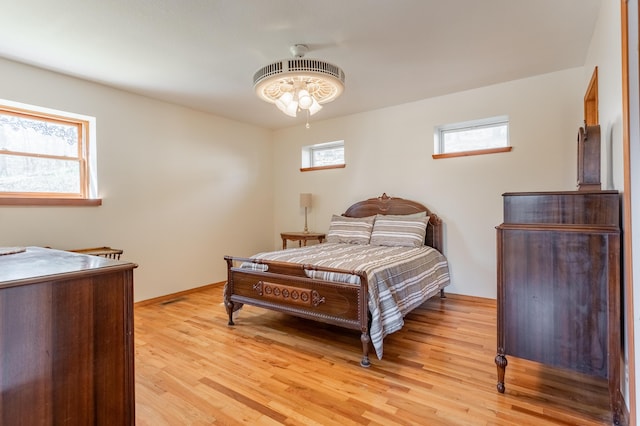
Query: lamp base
[(306, 230)]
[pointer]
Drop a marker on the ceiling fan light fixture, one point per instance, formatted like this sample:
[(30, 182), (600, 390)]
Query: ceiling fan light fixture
[(305, 83)]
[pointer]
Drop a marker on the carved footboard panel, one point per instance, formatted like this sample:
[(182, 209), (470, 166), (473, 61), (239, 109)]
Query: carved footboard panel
[(285, 287)]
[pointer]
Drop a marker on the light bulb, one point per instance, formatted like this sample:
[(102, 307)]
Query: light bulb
[(315, 106), (292, 109), (283, 101), (304, 99)]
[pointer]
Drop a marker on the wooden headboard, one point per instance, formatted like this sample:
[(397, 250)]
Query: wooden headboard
[(392, 205)]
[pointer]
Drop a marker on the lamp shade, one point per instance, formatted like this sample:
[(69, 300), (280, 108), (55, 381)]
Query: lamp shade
[(305, 200)]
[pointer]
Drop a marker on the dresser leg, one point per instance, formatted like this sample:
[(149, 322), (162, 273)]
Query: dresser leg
[(501, 363)]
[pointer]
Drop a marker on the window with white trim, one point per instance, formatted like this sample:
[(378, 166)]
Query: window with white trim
[(323, 155), (473, 137), (45, 154)]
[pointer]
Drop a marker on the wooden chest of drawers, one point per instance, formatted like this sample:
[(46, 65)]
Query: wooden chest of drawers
[(66, 339), (558, 276)]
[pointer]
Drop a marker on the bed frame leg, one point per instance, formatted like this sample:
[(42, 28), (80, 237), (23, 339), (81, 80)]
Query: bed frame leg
[(501, 363), (230, 313), (442, 295), (365, 350), (228, 304)]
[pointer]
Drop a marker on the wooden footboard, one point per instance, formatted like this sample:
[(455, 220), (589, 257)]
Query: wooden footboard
[(285, 287)]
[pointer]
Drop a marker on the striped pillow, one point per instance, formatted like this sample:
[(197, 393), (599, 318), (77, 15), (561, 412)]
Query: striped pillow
[(351, 230), (399, 231)]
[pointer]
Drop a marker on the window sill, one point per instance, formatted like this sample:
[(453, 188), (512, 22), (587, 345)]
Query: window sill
[(334, 166), (77, 202), (468, 153)]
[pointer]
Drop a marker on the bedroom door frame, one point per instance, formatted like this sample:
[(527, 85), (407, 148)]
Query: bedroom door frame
[(631, 201)]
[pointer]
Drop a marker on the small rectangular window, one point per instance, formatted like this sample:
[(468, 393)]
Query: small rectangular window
[(473, 137), (44, 155), (323, 155)]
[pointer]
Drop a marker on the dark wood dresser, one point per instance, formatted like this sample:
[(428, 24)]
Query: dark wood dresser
[(66, 339), (559, 283)]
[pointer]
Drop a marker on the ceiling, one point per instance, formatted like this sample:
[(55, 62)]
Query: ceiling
[(203, 53)]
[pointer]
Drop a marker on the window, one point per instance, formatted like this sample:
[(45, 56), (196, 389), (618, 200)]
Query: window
[(484, 136), (323, 156), (45, 155)]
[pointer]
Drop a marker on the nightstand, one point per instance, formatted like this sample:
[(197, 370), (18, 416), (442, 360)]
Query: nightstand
[(301, 238)]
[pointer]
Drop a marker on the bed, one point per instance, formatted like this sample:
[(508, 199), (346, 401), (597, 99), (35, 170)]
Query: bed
[(382, 258)]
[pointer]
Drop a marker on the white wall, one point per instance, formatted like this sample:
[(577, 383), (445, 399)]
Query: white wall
[(389, 150), (605, 52), (634, 179), (180, 188), (177, 184)]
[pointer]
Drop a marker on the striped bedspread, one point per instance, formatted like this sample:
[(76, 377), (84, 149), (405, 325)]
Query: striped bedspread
[(400, 278)]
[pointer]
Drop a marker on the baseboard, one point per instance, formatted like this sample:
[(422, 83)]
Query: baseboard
[(161, 299), (478, 299)]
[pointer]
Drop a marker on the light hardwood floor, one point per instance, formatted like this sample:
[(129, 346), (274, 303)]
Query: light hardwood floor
[(271, 369)]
